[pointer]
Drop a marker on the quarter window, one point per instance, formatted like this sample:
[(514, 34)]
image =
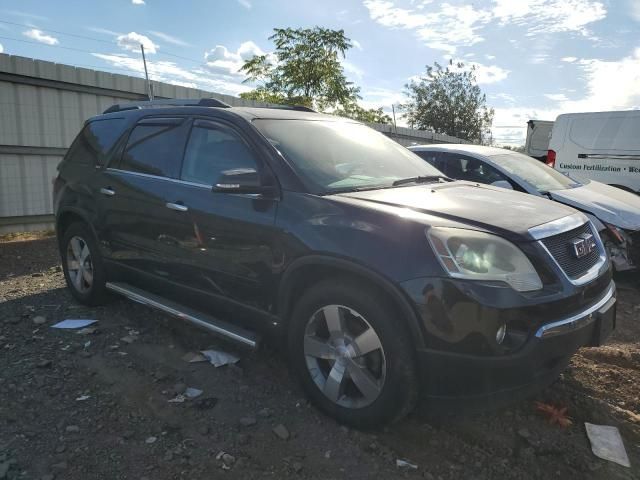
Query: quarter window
[(212, 150), (96, 141), (155, 147)]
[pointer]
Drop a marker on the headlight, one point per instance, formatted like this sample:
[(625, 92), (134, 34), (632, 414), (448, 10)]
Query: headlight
[(481, 256)]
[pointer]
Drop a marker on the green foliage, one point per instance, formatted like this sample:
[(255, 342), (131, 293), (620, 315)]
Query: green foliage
[(448, 100), (356, 112), (304, 69)]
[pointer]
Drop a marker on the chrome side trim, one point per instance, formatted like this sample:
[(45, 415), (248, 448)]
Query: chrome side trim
[(578, 320), (593, 272), (558, 226), (218, 327), (158, 177)]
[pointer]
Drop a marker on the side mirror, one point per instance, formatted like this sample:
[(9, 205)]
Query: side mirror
[(502, 184), (241, 180)]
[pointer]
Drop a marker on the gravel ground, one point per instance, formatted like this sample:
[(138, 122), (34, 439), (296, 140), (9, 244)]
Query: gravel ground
[(96, 406)]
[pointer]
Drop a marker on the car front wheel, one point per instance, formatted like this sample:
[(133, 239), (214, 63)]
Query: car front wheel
[(352, 355)]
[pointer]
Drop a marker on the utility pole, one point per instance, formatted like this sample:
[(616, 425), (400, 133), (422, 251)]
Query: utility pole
[(395, 127), (146, 74)]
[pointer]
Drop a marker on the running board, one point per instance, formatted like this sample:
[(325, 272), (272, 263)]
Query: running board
[(219, 327)]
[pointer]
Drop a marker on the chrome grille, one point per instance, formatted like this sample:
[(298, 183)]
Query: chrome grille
[(560, 248)]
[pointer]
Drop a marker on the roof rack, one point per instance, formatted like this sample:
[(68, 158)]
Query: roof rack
[(170, 102), (299, 108)]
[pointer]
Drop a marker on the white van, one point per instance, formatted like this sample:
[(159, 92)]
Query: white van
[(538, 135), (602, 146)]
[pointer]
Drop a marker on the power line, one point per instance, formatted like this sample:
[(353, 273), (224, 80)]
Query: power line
[(86, 37)]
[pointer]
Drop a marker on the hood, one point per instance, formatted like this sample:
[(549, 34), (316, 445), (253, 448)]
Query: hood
[(505, 212), (609, 204)]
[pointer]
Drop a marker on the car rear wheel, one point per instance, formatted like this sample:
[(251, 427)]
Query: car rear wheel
[(82, 265), (352, 355)]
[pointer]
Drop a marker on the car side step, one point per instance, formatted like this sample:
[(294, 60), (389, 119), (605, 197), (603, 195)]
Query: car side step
[(219, 327)]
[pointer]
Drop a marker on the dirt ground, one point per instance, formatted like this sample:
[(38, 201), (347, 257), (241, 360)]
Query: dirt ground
[(96, 406)]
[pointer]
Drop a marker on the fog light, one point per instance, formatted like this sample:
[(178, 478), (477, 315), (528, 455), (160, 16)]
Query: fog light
[(501, 333)]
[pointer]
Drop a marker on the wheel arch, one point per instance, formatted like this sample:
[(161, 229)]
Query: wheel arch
[(69, 215), (306, 271)]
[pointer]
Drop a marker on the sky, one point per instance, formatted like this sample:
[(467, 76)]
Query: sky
[(534, 59)]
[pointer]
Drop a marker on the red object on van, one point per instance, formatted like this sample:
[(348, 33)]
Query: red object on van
[(551, 158)]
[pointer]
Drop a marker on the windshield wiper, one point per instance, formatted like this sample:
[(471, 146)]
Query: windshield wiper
[(421, 179)]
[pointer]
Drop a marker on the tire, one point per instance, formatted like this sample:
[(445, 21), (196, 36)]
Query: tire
[(80, 256), (383, 386)]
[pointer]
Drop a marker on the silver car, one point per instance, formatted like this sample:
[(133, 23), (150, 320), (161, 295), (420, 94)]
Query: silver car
[(615, 212)]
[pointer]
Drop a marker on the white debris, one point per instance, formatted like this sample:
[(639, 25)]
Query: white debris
[(73, 323), (177, 399), (218, 358), (193, 357), (82, 398), (607, 444), (192, 393), (405, 464), (151, 440)]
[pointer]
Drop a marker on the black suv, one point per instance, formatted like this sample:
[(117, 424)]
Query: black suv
[(383, 278)]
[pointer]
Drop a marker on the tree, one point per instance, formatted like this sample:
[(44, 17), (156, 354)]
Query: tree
[(448, 100), (356, 112), (304, 69)]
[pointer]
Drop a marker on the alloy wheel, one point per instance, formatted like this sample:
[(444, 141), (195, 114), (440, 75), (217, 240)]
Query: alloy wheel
[(79, 264), (344, 356)]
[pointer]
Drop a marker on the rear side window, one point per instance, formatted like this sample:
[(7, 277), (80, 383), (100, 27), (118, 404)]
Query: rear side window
[(433, 158), (95, 141), (213, 149), (155, 147)]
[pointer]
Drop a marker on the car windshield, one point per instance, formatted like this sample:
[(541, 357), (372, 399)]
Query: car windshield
[(334, 156), (542, 177)]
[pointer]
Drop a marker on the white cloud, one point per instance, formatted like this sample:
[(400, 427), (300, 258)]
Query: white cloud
[(444, 29), (1, 48), (490, 57), (132, 41), (169, 38), (104, 31), (221, 60), (634, 9), (138, 2), (245, 3), (352, 70), (40, 36), (550, 16), (357, 44), (611, 85), (556, 97), (569, 59), (169, 72), (485, 74)]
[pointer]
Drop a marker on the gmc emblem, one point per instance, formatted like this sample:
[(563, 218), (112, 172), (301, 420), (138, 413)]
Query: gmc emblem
[(583, 245)]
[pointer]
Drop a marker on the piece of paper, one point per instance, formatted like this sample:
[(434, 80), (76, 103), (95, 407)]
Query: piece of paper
[(73, 323), (607, 444), (193, 357), (218, 358)]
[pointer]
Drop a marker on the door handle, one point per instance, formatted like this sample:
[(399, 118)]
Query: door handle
[(178, 207), (108, 191)]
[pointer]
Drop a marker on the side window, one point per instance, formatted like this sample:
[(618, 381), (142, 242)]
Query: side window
[(94, 142), (433, 158), (471, 169), (155, 147), (213, 149)]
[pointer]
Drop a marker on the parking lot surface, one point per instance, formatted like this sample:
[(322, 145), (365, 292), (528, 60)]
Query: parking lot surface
[(96, 405)]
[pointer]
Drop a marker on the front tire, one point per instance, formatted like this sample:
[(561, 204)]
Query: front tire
[(350, 350), (83, 266)]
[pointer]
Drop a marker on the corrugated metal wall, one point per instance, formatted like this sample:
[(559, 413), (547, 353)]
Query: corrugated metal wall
[(43, 106)]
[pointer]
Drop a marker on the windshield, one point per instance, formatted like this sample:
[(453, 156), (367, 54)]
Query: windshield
[(542, 177), (334, 156)]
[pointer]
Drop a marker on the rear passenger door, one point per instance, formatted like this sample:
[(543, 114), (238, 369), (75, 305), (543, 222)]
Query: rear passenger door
[(132, 190)]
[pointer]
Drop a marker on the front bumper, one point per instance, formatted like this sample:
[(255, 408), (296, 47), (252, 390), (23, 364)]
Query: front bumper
[(490, 378)]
